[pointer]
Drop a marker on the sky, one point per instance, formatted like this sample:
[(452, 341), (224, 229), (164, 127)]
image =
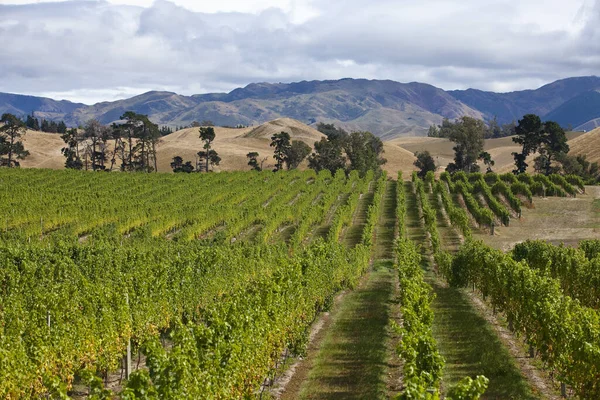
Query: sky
[(90, 51)]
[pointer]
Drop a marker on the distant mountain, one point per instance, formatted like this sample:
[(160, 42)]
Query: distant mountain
[(577, 111), (543, 101), (387, 108), (45, 108)]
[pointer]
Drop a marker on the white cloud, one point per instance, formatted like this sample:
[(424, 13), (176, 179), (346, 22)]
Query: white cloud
[(97, 50)]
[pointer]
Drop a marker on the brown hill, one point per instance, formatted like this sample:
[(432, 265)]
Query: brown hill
[(587, 144)]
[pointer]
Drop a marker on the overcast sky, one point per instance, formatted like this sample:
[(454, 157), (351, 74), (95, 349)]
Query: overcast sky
[(89, 51)]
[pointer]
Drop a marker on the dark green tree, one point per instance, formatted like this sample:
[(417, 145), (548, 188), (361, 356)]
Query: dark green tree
[(253, 161), (179, 166), (32, 122), (71, 151), (207, 158), (548, 139), (61, 127), (136, 139), (468, 135), (494, 129), (327, 155), (207, 134), (528, 134), (332, 132), (281, 143), (487, 160), (424, 162), (364, 151), (433, 131), (11, 131), (298, 151), (553, 144)]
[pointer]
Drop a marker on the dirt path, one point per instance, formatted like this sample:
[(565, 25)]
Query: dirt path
[(467, 341), (352, 357)]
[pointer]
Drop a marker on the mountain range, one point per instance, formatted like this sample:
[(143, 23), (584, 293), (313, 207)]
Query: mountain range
[(387, 108)]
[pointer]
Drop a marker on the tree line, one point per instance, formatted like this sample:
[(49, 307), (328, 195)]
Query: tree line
[(547, 140), (360, 151)]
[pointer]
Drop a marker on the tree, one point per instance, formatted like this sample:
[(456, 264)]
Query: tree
[(179, 166), (424, 162), (494, 130), (96, 136), (468, 135), (10, 132), (548, 139), (447, 128), (71, 151), (364, 151), (281, 142), (528, 133), (433, 131), (298, 151), (332, 132), (61, 127), (136, 139), (253, 161), (487, 160), (208, 157), (580, 166), (327, 155), (32, 123), (207, 134), (553, 144)]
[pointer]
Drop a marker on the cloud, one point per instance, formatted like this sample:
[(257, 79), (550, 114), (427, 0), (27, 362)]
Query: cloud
[(96, 50)]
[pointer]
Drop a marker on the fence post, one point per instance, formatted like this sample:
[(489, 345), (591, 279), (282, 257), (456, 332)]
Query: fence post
[(128, 355)]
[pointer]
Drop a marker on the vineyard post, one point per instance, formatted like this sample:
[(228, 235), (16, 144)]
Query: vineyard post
[(128, 355), (48, 319), (492, 226), (563, 389)]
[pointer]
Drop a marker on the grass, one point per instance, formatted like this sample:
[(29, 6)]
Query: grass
[(465, 339), (354, 358), (353, 234), (471, 347), (351, 363)]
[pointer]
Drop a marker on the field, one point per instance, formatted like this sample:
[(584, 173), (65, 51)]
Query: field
[(297, 285)]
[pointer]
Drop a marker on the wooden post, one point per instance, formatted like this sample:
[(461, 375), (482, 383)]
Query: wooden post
[(128, 355), (563, 390), (492, 226), (48, 319), (531, 352)]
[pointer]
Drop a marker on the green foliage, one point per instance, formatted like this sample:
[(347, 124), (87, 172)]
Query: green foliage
[(297, 152), (327, 156), (281, 143), (537, 308), (179, 166), (11, 130), (253, 161), (424, 162), (548, 139), (468, 389), (468, 134)]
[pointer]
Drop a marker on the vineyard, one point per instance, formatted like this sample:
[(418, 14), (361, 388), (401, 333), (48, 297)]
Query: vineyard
[(152, 286)]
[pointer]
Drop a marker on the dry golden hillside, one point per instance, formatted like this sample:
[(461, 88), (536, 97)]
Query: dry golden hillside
[(44, 150), (231, 144), (587, 144)]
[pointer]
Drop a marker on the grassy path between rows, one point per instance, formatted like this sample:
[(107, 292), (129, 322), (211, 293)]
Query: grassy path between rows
[(354, 359), (465, 339)]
